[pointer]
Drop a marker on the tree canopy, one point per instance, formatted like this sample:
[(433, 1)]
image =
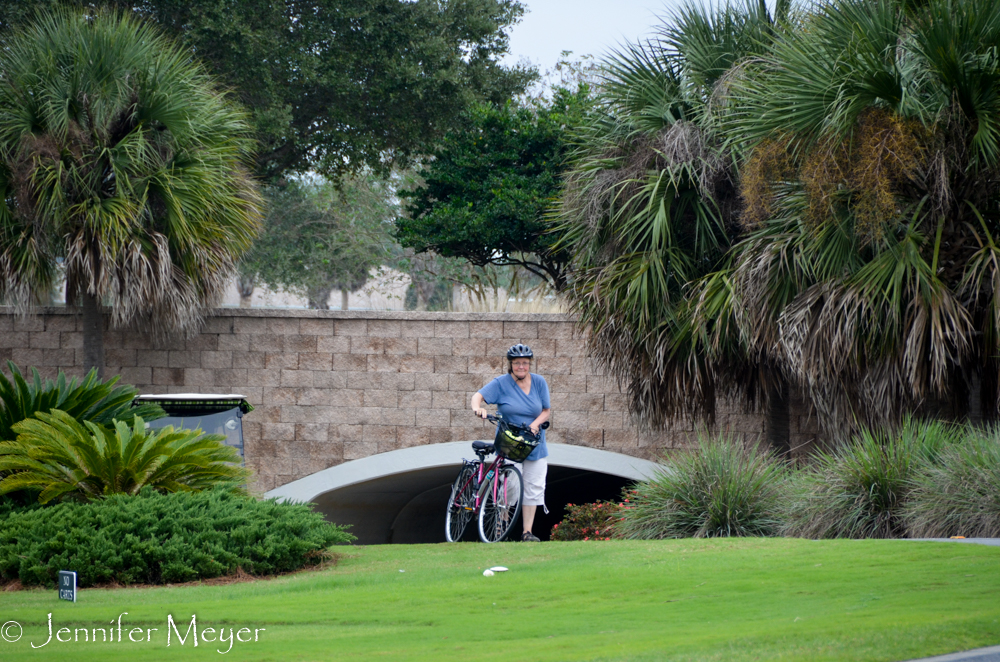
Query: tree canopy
[(805, 198), (870, 267), (484, 193), (319, 236), (338, 85), (128, 165), (650, 205)]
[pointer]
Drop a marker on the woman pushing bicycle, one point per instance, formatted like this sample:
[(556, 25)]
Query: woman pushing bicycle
[(522, 398)]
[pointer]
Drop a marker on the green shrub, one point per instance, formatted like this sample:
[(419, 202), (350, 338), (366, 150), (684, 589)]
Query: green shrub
[(723, 489), (16, 502), (61, 458), (859, 490), (158, 538), (589, 521), (88, 400), (957, 493)]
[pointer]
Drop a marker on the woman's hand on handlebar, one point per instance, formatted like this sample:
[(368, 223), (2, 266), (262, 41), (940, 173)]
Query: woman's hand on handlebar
[(481, 413), (536, 428)]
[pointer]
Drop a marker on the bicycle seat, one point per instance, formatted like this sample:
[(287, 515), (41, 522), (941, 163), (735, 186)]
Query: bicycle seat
[(482, 446)]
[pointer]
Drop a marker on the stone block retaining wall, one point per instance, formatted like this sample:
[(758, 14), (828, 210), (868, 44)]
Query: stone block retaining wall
[(333, 386)]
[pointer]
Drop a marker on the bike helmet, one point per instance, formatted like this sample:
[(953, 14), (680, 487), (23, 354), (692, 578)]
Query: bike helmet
[(519, 351)]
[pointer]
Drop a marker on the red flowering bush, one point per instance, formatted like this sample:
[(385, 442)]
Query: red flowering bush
[(590, 521)]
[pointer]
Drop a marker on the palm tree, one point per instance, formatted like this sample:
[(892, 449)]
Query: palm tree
[(57, 456), (89, 399), (119, 156), (871, 269), (651, 205), (851, 248)]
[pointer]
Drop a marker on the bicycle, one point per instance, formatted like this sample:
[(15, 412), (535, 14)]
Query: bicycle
[(494, 492)]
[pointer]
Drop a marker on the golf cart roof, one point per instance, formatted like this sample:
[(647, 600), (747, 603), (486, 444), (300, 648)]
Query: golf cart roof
[(206, 401)]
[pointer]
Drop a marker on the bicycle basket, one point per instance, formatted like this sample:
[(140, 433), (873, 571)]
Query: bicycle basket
[(515, 443)]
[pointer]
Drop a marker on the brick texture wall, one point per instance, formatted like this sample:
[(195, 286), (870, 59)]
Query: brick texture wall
[(333, 386)]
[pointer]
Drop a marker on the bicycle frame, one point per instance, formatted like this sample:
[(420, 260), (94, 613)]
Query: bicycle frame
[(482, 477)]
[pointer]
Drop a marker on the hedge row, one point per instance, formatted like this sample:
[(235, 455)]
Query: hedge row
[(155, 538)]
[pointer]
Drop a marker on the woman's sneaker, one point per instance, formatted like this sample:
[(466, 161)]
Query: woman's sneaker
[(528, 536)]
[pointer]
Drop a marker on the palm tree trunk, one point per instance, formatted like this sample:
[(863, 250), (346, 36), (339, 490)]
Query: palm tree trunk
[(93, 334), (344, 299), (975, 401), (778, 419)]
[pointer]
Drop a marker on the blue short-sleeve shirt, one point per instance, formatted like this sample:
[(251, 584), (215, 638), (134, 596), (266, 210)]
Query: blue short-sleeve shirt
[(517, 407)]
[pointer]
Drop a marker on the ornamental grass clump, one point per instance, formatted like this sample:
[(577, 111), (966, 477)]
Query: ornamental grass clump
[(723, 489), (957, 493), (860, 490)]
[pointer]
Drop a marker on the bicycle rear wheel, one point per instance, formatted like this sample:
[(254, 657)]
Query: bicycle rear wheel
[(460, 506), (501, 505)]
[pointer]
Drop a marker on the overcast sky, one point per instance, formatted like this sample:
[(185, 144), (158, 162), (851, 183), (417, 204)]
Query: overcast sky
[(583, 26)]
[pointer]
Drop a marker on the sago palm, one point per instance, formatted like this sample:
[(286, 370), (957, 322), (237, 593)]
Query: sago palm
[(119, 156), (59, 457), (650, 205), (89, 399)]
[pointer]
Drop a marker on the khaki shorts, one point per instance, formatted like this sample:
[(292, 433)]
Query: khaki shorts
[(534, 481)]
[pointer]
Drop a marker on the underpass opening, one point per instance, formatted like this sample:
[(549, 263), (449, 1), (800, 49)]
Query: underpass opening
[(564, 486), (400, 497)]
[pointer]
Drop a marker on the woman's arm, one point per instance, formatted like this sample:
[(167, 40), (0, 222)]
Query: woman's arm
[(477, 405), (536, 424)]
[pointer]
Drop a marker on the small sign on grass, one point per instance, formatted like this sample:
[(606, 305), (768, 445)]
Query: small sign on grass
[(67, 585)]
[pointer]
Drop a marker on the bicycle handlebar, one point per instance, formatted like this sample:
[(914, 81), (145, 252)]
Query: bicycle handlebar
[(499, 417)]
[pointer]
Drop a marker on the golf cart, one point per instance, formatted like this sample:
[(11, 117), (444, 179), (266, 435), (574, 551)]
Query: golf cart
[(212, 414)]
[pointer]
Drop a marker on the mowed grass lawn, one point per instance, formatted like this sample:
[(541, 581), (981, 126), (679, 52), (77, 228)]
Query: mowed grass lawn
[(723, 599)]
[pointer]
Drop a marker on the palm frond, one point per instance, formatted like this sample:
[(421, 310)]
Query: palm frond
[(90, 399), (61, 458)]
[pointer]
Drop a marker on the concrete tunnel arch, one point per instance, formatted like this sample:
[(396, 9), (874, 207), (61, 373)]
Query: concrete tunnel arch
[(400, 496)]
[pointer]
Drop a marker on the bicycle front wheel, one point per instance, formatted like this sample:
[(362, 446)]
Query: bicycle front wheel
[(501, 505), (460, 506)]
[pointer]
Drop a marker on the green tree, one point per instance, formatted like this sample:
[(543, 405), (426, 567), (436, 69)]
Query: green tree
[(337, 85), (119, 155), (432, 280), (650, 205), (851, 249), (319, 237), (484, 194), (870, 270)]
